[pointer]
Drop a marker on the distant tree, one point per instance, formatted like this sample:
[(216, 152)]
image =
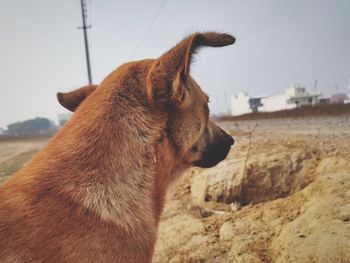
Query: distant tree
[(33, 126)]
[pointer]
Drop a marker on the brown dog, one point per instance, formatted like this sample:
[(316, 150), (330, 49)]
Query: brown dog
[(96, 191)]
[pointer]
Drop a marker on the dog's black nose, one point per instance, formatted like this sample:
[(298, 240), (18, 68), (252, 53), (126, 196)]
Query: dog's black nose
[(228, 140), (231, 141)]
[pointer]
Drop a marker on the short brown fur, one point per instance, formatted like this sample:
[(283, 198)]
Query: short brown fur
[(95, 193)]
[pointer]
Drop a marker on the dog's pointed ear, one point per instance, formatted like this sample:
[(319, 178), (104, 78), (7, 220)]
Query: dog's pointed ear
[(71, 100), (167, 77)]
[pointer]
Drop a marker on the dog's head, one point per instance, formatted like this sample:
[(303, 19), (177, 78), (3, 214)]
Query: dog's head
[(168, 87)]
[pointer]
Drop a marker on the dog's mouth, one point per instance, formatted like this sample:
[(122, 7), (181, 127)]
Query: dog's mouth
[(214, 154)]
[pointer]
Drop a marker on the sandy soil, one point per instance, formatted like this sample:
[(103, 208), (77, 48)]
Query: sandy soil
[(282, 195), (15, 153)]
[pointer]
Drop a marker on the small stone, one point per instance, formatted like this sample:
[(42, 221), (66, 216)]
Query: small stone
[(253, 232), (206, 213), (235, 206), (226, 231)]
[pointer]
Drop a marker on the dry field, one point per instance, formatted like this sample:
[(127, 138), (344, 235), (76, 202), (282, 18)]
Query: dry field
[(282, 195), (15, 153)]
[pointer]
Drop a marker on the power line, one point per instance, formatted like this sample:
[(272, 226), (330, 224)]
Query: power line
[(170, 19), (149, 28)]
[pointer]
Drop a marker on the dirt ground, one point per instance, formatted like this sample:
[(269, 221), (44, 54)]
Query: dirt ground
[(15, 153), (282, 195)]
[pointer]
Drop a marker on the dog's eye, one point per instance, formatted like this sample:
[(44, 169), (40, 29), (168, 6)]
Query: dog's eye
[(194, 148), (208, 101)]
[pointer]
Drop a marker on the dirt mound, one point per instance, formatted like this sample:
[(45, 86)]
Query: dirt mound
[(276, 175), (264, 177), (321, 232), (294, 189)]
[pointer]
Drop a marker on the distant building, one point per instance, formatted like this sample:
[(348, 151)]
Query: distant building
[(275, 103), (63, 118), (240, 104), (348, 99), (255, 103), (339, 98), (300, 97), (294, 97), (324, 101)]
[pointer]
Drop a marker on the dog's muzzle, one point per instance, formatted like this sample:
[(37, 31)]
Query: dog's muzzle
[(215, 152)]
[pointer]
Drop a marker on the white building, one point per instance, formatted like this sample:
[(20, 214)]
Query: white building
[(348, 99), (240, 104), (300, 97), (295, 96), (276, 103)]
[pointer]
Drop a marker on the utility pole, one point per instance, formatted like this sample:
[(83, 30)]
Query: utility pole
[(84, 27)]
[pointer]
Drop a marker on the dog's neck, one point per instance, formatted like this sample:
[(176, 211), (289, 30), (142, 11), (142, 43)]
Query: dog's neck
[(165, 168), (119, 169)]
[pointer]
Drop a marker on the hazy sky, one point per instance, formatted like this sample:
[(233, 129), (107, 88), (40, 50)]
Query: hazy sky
[(278, 43)]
